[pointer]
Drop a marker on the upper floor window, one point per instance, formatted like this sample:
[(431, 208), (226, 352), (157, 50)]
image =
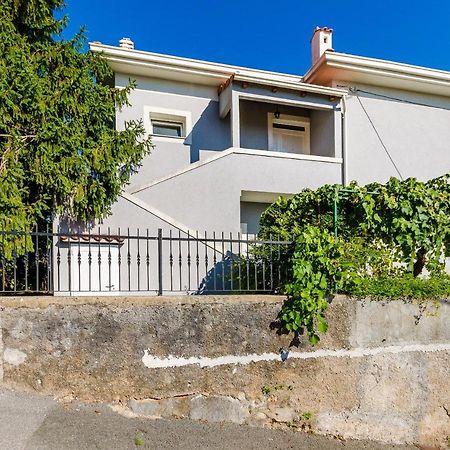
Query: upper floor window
[(167, 128), (170, 125), (289, 134)]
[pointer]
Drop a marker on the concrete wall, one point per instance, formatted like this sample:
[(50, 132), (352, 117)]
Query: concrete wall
[(382, 372), (416, 136)]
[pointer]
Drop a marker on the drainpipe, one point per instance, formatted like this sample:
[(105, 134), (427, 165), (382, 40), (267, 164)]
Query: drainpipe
[(344, 141)]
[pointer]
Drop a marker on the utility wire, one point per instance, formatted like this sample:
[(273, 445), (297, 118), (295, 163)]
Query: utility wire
[(402, 100), (378, 135)]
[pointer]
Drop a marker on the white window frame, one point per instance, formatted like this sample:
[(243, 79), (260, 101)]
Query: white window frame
[(169, 115), (284, 119)]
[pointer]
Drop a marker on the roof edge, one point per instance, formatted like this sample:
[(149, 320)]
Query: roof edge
[(214, 72), (225, 70), (377, 67)]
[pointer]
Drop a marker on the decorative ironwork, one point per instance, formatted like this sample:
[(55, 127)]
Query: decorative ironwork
[(63, 261)]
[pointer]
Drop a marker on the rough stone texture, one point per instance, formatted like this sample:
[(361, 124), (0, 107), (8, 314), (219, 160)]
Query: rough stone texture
[(1, 350), (166, 407), (217, 409), (285, 414), (379, 426), (92, 349), (435, 421), (390, 323), (30, 421), (14, 357)]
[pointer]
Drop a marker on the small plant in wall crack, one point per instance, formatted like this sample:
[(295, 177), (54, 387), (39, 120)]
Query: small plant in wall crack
[(267, 389), (302, 423), (139, 440)]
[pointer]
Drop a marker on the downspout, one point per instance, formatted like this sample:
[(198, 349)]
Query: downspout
[(344, 142)]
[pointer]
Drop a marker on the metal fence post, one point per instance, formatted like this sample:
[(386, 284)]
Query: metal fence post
[(160, 277)]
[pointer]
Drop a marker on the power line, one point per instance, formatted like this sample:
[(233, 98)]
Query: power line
[(379, 137), (402, 100)]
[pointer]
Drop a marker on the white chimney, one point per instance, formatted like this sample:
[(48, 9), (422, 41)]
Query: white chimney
[(126, 43), (321, 41)]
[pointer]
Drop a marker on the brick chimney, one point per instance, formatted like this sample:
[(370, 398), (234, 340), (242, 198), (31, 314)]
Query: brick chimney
[(321, 41), (126, 43)]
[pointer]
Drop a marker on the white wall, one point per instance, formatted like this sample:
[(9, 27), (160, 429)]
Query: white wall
[(208, 130), (417, 137), (208, 197)]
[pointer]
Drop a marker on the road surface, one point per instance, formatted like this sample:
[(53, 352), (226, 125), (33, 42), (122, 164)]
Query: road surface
[(29, 421)]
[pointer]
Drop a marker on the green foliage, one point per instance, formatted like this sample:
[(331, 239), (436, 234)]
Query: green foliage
[(139, 440), (59, 150), (267, 389), (403, 287), (387, 232), (307, 415), (409, 219), (318, 272)]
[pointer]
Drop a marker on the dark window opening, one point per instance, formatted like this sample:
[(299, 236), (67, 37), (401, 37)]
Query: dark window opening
[(284, 126)]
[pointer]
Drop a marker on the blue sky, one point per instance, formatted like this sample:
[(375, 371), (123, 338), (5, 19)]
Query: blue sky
[(271, 35)]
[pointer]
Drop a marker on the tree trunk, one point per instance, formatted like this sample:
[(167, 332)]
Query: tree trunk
[(420, 262)]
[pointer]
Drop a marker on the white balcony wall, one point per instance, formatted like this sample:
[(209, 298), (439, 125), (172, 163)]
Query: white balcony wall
[(208, 196)]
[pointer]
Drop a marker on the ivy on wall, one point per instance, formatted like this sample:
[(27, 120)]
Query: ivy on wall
[(397, 230)]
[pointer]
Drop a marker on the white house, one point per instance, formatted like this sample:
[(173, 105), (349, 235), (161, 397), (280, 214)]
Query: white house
[(230, 140)]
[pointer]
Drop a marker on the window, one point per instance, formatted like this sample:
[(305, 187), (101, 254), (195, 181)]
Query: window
[(168, 124), (289, 134), (167, 128)]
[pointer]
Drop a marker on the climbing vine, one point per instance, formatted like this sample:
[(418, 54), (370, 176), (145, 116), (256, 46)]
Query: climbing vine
[(318, 272), (346, 236)]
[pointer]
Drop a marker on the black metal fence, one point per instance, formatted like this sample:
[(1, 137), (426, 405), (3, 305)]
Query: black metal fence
[(45, 262)]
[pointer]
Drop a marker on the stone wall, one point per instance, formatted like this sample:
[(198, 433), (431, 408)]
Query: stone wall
[(381, 372)]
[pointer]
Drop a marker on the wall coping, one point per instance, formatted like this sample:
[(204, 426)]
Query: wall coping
[(44, 301), (127, 301)]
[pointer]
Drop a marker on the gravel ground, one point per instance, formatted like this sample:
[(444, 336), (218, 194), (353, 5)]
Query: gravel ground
[(29, 421)]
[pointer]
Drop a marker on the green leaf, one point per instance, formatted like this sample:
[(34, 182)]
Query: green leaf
[(322, 326)]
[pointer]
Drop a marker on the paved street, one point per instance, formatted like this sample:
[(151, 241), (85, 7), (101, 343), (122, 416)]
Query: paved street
[(35, 422)]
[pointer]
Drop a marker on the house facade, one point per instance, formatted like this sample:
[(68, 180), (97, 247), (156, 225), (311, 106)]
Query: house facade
[(230, 140)]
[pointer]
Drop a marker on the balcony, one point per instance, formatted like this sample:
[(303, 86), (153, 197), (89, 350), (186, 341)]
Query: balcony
[(283, 120)]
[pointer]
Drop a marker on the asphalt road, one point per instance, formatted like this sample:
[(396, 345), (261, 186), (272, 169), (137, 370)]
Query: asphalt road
[(29, 421)]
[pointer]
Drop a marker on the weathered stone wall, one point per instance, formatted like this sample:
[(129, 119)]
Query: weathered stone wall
[(381, 372)]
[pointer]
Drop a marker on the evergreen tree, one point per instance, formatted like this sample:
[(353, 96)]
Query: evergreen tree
[(59, 150)]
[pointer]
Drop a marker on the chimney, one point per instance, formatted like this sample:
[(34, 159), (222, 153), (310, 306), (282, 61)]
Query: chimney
[(126, 43), (321, 41)]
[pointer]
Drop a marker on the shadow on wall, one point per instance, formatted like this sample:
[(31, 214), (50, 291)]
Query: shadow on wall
[(243, 274), (219, 279), (210, 132)]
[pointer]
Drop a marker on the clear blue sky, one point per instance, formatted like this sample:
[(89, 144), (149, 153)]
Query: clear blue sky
[(271, 35)]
